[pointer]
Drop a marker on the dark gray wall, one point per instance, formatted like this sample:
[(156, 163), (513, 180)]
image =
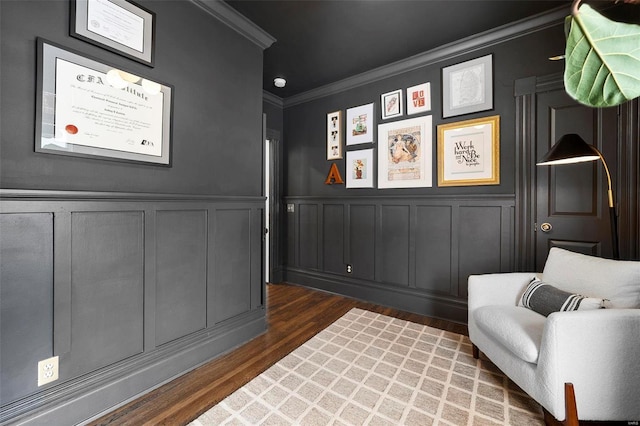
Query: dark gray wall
[(409, 248), (217, 104), (132, 274)]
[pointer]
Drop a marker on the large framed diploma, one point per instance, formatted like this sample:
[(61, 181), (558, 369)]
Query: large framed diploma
[(117, 25), (90, 109)]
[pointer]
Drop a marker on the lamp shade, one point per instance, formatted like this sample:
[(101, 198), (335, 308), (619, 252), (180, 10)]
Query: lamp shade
[(571, 148)]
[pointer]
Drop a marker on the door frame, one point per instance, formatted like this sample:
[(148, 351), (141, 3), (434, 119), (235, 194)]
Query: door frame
[(275, 210), (626, 178)]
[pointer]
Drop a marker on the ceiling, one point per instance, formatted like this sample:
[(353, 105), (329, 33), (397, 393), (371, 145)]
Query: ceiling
[(323, 41)]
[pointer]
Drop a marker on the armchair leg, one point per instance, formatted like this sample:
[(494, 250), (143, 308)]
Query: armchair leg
[(571, 410), (475, 351)]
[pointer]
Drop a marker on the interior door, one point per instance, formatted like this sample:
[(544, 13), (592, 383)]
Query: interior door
[(571, 202)]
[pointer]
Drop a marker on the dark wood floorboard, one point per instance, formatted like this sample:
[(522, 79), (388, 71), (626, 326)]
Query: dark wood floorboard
[(294, 315)]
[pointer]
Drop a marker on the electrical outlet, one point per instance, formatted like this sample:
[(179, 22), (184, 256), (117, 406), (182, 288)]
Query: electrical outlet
[(47, 371), (349, 269), (291, 208)]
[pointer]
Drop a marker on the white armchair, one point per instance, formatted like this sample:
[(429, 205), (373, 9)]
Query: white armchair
[(596, 350)]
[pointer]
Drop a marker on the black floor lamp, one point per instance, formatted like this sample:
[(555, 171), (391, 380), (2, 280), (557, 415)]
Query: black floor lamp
[(571, 149)]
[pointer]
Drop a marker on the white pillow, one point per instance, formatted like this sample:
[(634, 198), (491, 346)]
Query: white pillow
[(615, 280)]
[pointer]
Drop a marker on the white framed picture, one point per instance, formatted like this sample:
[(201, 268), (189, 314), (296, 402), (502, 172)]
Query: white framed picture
[(405, 153), (360, 168), (334, 135), (419, 98), (391, 104), (467, 87), (360, 124)]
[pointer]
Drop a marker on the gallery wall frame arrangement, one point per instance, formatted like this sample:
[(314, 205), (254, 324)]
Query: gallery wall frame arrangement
[(360, 168), (359, 124), (469, 152), (334, 135), (120, 26), (404, 153), (391, 104), (87, 108), (419, 98), (467, 87)]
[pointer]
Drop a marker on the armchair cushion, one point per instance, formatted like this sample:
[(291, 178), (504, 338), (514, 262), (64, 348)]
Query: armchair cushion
[(545, 299), (518, 329), (615, 280)]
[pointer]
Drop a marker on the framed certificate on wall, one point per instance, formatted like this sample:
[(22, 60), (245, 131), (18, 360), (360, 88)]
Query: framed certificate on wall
[(86, 108)]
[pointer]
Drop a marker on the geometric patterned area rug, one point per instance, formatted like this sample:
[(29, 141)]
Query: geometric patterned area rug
[(372, 369)]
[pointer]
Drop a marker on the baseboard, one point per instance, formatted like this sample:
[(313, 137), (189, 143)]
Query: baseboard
[(402, 298), (89, 397)]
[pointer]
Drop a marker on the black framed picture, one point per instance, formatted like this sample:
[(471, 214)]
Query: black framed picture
[(120, 26)]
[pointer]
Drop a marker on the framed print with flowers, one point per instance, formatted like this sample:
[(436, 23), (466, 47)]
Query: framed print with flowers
[(391, 104), (359, 124), (469, 152), (404, 153), (334, 135), (360, 168)]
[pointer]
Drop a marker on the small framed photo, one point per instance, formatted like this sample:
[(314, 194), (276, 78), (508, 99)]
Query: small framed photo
[(467, 87), (334, 135), (469, 152), (419, 98), (360, 168), (120, 26), (404, 153), (359, 125), (391, 104)]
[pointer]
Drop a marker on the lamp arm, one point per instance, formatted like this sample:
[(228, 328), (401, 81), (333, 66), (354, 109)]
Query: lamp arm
[(606, 169), (613, 217)]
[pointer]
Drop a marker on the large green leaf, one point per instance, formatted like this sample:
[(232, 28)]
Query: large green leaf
[(602, 59)]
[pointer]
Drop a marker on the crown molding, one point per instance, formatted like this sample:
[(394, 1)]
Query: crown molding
[(236, 21), (461, 47), (272, 99)]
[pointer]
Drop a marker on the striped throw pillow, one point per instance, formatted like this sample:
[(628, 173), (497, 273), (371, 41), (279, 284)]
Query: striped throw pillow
[(546, 299)]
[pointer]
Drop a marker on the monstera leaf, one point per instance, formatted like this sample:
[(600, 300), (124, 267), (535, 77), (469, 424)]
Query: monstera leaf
[(602, 59)]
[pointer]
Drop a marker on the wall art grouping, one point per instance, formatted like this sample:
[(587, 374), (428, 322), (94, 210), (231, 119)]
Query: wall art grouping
[(468, 152), (88, 108)]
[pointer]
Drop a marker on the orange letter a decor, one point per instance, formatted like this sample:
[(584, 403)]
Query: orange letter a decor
[(333, 176)]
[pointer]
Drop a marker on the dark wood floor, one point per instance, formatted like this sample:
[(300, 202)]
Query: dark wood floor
[(294, 315)]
